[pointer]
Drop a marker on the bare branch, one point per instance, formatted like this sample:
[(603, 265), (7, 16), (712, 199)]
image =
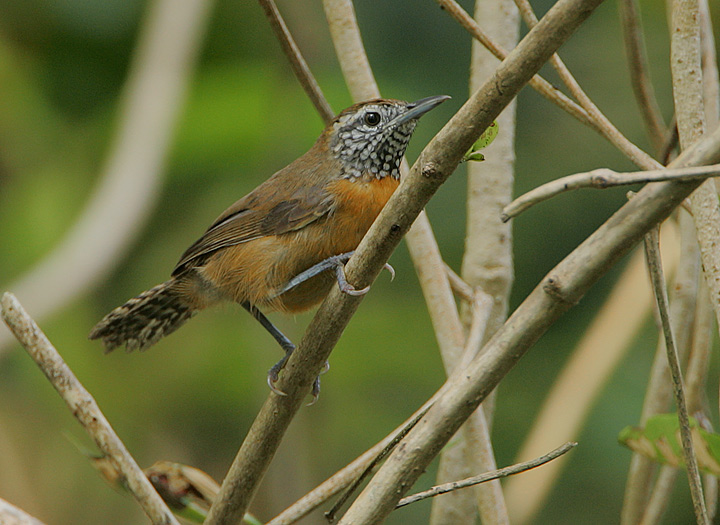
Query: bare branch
[(659, 498), (606, 128), (349, 48), (435, 165), (299, 66), (652, 251), (558, 291), (488, 476), (603, 178), (344, 477), (459, 286), (128, 188), (710, 76), (658, 396), (604, 345), (538, 83), (330, 515), (83, 407)]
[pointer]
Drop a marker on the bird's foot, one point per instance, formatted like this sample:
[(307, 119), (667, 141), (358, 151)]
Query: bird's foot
[(336, 262)]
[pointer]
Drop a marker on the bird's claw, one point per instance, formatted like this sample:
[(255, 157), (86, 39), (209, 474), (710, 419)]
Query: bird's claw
[(348, 288), (391, 270), (272, 378)]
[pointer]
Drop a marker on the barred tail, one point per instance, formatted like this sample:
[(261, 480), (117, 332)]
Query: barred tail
[(145, 319)]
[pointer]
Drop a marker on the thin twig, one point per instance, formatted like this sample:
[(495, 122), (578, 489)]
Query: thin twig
[(603, 178), (640, 73), (658, 391), (488, 476), (538, 83), (344, 477), (330, 515), (299, 66), (696, 380), (659, 499), (574, 392), (437, 162), (481, 308), (606, 128), (83, 407), (459, 286), (670, 142), (652, 251), (562, 288)]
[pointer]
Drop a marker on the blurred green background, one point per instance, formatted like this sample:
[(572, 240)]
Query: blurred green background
[(193, 396)]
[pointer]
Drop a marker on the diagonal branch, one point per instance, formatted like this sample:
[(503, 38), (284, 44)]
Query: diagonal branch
[(488, 476), (299, 66), (435, 165), (83, 407), (12, 515), (557, 292), (606, 128), (538, 83), (652, 251)]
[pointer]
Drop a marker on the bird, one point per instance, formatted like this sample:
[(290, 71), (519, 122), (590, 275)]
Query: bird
[(284, 245)]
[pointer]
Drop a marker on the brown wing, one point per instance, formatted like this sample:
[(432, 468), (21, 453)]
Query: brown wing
[(250, 219)]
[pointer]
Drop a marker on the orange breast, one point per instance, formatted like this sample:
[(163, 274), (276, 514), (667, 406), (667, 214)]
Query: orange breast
[(255, 270)]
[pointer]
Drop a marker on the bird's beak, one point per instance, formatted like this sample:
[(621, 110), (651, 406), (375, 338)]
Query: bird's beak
[(418, 108)]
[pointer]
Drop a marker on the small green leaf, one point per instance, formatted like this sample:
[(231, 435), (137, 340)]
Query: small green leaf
[(474, 156), (660, 441), (487, 137), (485, 140)]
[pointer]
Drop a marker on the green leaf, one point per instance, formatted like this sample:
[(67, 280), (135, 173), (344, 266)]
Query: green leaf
[(487, 137), (660, 441), (473, 156), (484, 141)]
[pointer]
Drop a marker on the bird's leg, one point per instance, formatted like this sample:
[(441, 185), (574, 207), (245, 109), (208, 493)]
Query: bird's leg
[(288, 347), (336, 262)]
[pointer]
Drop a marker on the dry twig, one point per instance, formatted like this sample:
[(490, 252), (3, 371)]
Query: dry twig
[(652, 251), (434, 166), (603, 178), (487, 476), (83, 407), (640, 73), (538, 83), (299, 66)]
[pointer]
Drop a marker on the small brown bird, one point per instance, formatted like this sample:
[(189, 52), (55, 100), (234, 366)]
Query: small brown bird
[(275, 247)]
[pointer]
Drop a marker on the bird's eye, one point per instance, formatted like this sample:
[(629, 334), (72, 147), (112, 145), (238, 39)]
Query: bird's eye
[(372, 118)]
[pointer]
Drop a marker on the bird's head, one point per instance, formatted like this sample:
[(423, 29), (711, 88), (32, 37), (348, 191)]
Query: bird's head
[(369, 138)]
